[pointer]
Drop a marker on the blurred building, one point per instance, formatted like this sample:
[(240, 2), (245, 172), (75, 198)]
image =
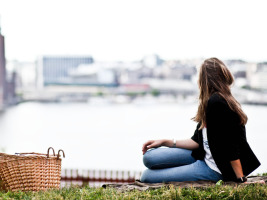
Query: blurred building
[(97, 74), (11, 95), (152, 61), (54, 70), (257, 76), (7, 80), (238, 68), (240, 72), (171, 86), (3, 86), (24, 77), (176, 70)]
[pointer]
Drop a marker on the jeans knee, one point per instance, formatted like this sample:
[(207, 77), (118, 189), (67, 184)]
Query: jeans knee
[(148, 160), (145, 177)]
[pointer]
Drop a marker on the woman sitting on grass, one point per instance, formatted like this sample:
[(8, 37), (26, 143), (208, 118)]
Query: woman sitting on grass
[(218, 150)]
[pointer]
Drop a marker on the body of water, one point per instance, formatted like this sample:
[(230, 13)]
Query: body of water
[(109, 136)]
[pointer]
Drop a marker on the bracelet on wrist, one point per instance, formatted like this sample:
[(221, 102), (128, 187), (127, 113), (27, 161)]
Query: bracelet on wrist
[(174, 143)]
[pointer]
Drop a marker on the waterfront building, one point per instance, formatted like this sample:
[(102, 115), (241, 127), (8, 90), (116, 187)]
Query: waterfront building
[(258, 76), (25, 74), (11, 96), (152, 61), (2, 71), (238, 68), (176, 70), (97, 74), (54, 70)]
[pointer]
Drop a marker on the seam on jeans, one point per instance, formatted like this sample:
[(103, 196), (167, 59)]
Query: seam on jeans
[(164, 164)]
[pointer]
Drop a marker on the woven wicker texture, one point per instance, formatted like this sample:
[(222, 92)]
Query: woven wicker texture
[(30, 171)]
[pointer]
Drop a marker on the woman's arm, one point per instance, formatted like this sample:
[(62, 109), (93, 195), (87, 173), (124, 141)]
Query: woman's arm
[(237, 167), (184, 144)]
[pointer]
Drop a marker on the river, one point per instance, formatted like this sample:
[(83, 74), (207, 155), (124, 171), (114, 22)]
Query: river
[(104, 136)]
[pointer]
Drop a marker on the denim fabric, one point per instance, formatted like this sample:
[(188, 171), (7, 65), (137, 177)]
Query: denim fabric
[(175, 164)]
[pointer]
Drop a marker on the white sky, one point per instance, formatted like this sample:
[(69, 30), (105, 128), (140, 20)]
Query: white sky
[(127, 30)]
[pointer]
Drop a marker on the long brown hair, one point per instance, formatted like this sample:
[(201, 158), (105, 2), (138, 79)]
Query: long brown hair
[(214, 77)]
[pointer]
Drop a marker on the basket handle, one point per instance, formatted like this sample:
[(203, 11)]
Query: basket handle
[(48, 151), (60, 150)]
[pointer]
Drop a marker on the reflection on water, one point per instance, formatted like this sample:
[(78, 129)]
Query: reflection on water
[(108, 136)]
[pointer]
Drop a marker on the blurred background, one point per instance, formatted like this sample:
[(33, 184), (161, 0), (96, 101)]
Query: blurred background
[(99, 78)]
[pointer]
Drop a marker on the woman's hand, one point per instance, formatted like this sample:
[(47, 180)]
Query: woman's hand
[(184, 144), (260, 181), (151, 144)]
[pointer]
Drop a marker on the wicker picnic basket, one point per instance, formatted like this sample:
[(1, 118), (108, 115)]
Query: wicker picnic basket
[(30, 171)]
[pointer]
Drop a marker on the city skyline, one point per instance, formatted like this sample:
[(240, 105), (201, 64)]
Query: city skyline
[(129, 30)]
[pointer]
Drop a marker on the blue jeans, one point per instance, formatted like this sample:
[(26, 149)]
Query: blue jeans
[(175, 164)]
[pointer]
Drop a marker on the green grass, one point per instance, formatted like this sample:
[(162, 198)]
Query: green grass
[(255, 191)]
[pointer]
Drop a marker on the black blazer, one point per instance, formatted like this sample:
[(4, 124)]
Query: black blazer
[(227, 139)]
